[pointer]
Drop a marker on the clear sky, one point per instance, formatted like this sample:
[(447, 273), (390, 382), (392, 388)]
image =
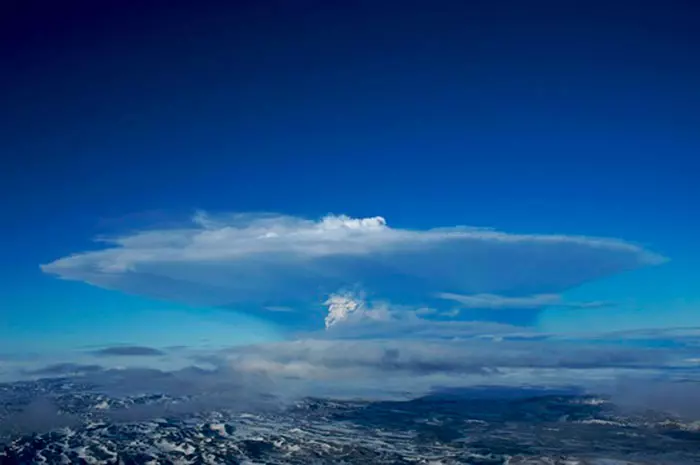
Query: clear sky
[(565, 118)]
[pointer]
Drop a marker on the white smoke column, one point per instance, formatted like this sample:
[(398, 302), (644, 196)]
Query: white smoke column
[(341, 307)]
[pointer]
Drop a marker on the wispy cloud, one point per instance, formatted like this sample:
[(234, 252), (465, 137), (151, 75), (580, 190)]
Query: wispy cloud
[(278, 308), (498, 301), (272, 261), (495, 302)]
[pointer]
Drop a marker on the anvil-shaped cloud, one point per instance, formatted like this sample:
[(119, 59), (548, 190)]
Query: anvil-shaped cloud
[(266, 260)]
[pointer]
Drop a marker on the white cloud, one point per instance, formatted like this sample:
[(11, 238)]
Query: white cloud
[(341, 308), (349, 307), (278, 261)]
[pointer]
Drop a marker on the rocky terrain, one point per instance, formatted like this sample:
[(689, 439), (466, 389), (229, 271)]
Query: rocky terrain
[(63, 421)]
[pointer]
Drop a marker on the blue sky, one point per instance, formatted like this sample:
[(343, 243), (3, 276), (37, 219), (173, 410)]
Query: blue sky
[(551, 118)]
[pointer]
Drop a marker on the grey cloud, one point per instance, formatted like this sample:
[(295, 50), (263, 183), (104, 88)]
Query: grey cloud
[(61, 369), (38, 416), (321, 357), (128, 351), (405, 367), (679, 397)]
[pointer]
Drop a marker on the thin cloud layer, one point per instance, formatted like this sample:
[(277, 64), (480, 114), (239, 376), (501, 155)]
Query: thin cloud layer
[(495, 302), (274, 261)]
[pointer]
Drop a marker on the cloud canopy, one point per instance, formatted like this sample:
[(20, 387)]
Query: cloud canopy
[(275, 261)]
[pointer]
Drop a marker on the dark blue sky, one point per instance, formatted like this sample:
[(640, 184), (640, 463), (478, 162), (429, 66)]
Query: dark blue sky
[(572, 117)]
